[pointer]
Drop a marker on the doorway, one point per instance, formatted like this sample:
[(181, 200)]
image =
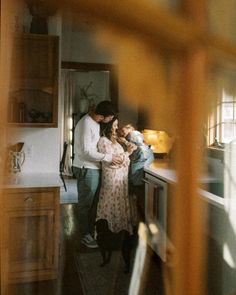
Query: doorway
[(84, 85)]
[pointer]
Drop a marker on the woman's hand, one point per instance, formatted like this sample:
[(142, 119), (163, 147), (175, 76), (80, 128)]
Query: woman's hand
[(116, 159), (122, 140)]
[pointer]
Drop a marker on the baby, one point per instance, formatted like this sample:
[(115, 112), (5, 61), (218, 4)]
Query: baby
[(141, 156)]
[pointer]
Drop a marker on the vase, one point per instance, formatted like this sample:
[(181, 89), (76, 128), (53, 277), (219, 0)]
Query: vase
[(83, 105), (39, 25)]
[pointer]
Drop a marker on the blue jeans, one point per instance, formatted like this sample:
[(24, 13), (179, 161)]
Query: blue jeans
[(87, 187)]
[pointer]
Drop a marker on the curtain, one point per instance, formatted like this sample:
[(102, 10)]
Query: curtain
[(68, 105)]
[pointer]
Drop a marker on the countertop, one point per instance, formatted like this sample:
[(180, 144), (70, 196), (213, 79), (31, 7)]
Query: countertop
[(164, 171), (31, 180)]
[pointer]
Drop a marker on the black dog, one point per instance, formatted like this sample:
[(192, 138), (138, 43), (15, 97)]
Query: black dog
[(108, 241)]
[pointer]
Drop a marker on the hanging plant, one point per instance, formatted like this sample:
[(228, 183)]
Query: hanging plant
[(85, 95)]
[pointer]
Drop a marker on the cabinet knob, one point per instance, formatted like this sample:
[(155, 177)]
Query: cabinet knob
[(28, 199)]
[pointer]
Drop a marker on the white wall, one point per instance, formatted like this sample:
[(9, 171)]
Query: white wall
[(41, 147), (78, 44)]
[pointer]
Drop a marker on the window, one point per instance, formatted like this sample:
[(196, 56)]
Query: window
[(222, 118)]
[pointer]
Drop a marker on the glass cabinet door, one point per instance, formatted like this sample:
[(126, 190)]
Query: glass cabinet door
[(34, 91)]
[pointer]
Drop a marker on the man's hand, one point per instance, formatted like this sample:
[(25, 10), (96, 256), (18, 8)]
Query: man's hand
[(116, 160)]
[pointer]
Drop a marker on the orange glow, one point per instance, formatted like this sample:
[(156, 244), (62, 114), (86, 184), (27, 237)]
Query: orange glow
[(159, 140)]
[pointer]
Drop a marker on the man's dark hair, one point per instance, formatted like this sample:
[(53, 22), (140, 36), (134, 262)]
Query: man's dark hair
[(105, 108)]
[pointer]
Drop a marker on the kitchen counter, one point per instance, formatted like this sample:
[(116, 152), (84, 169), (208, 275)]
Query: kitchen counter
[(164, 171), (31, 180)]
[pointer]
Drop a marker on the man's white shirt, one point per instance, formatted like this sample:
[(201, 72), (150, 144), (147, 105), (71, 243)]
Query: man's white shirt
[(86, 137)]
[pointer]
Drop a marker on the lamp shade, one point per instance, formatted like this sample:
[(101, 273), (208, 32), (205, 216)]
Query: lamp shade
[(159, 141)]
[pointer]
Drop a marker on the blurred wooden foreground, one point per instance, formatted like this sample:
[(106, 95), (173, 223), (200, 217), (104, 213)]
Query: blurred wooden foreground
[(143, 36)]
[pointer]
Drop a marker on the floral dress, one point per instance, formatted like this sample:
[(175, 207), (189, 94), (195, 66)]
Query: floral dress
[(113, 202)]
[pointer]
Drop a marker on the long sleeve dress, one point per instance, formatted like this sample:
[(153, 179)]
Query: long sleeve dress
[(113, 204)]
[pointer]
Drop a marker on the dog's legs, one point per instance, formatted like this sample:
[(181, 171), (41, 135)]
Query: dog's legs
[(126, 257), (103, 253), (108, 259)]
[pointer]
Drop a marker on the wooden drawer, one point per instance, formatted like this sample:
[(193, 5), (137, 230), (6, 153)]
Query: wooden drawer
[(29, 234), (29, 200)]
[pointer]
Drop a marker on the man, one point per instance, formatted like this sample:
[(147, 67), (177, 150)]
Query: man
[(86, 165)]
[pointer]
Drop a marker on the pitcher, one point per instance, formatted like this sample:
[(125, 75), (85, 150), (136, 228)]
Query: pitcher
[(17, 160)]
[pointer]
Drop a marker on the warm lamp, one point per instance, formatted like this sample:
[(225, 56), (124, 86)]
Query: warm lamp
[(159, 141)]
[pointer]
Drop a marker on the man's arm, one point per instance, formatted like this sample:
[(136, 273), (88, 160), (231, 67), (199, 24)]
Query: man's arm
[(87, 149)]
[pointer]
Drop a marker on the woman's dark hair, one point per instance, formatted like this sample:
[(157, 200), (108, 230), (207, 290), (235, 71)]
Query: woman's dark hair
[(105, 108), (106, 129)]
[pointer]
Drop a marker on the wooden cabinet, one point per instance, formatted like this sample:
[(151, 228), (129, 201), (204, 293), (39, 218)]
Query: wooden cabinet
[(33, 97), (30, 234)]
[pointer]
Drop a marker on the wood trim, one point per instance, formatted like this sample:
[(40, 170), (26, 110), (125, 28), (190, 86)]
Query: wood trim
[(86, 66)]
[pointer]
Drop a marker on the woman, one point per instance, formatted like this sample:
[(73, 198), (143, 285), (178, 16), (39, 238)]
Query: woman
[(113, 202)]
